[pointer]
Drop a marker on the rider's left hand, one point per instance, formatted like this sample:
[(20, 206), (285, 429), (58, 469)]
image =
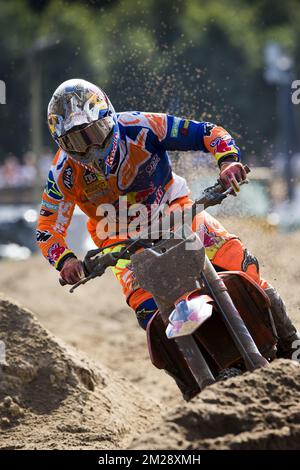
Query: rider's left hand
[(231, 174)]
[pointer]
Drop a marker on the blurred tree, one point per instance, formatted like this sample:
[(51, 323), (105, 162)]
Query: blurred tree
[(198, 58)]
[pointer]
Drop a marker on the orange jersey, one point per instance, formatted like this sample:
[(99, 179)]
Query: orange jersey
[(140, 170)]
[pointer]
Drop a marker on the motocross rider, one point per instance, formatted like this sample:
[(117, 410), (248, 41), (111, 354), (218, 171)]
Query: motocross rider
[(103, 155)]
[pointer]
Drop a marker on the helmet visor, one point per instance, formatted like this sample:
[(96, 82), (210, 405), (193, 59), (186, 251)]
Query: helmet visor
[(96, 133)]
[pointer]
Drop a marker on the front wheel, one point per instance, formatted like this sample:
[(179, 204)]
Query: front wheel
[(228, 373)]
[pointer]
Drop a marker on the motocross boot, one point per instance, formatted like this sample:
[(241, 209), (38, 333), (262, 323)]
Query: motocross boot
[(286, 331)]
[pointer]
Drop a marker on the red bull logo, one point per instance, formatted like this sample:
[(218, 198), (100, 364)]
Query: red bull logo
[(222, 145), (140, 196), (54, 252)]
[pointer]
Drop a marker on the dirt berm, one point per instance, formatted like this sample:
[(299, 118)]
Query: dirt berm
[(260, 410), (53, 397)]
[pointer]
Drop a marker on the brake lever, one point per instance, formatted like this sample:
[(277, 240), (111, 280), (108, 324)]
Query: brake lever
[(232, 191), (215, 194), (81, 282)]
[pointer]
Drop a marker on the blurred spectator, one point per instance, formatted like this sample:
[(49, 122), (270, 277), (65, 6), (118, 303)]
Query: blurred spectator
[(11, 172), (44, 162), (28, 169), (15, 174)]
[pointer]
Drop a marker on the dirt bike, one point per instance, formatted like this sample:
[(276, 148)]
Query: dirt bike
[(209, 325)]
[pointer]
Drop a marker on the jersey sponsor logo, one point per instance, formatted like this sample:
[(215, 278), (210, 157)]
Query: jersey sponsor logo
[(222, 144), (89, 176), (159, 195), (136, 157), (52, 189), (68, 177), (138, 197), (115, 165), (208, 238), (63, 216), (208, 127), (93, 193), (110, 159), (95, 189), (45, 212), (184, 130), (97, 185), (48, 205), (42, 237), (175, 127), (55, 252), (151, 167)]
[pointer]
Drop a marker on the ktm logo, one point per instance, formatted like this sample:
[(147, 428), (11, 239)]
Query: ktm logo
[(42, 237)]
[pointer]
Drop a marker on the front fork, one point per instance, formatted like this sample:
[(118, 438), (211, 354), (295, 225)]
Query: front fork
[(168, 271), (232, 319), (189, 349)]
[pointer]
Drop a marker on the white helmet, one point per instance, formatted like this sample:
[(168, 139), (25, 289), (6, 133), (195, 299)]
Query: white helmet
[(83, 122)]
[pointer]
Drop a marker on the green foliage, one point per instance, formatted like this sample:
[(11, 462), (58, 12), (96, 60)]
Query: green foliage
[(196, 58)]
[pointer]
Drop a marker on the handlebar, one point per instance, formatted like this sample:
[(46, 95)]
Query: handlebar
[(95, 266), (215, 194)]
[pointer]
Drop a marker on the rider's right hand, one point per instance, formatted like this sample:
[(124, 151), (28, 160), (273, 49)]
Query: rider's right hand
[(72, 271), (232, 174)]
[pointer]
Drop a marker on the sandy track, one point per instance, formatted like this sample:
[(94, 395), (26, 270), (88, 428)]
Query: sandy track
[(54, 397), (96, 320)]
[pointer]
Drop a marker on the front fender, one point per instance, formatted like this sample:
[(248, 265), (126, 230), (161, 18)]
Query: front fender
[(189, 314)]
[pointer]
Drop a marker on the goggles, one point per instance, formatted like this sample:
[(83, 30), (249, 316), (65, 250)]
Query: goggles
[(96, 133)]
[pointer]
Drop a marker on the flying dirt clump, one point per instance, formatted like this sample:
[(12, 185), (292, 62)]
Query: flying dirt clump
[(259, 410), (53, 397)]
